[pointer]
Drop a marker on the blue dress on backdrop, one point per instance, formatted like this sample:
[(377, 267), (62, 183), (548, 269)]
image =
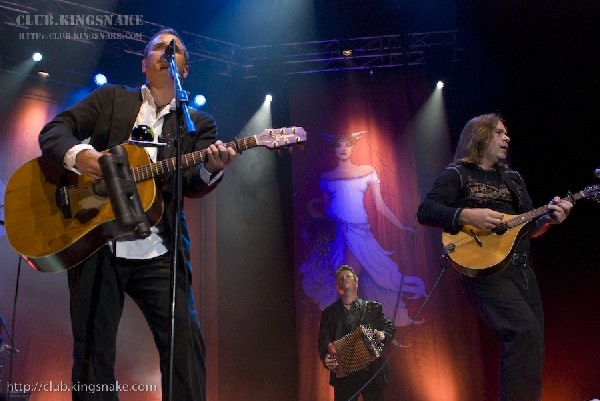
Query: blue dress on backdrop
[(379, 279)]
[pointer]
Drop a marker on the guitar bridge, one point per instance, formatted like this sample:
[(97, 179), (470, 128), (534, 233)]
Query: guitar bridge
[(63, 202), (476, 238)]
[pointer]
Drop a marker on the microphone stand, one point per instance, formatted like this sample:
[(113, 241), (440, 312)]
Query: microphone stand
[(184, 121)]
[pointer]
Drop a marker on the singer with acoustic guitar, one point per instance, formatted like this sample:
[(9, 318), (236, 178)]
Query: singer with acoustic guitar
[(133, 266), (471, 200)]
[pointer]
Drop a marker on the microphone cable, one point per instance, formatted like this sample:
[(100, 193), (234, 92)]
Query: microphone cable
[(12, 329)]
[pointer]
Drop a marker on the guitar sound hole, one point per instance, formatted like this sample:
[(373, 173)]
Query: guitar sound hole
[(500, 229)]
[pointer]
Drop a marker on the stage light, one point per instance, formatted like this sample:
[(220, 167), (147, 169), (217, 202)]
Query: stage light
[(100, 79), (200, 100), (268, 98), (43, 74), (37, 57), (347, 52), (439, 84)]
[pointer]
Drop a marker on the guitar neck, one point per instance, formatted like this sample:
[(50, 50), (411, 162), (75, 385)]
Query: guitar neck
[(166, 166), (540, 211)]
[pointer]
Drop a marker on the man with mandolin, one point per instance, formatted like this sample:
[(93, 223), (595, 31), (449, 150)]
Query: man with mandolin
[(472, 201), (138, 267)]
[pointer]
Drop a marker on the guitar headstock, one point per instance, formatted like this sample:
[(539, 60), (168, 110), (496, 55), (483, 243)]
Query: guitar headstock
[(592, 192), (275, 138)]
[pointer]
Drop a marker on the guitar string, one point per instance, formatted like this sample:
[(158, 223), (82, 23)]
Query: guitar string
[(521, 219), (505, 225), (145, 172), (142, 172)]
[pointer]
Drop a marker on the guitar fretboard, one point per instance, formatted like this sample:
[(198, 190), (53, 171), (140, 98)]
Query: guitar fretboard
[(152, 170), (531, 215)]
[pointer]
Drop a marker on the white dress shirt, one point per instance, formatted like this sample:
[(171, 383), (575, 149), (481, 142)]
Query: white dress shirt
[(152, 246)]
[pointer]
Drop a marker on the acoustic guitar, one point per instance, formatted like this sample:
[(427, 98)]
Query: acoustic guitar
[(56, 219), (479, 253)]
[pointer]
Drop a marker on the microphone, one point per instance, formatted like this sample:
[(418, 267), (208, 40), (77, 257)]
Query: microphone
[(169, 51), (143, 135), (597, 172), (123, 193)]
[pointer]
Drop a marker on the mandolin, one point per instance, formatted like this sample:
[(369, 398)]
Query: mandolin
[(480, 253)]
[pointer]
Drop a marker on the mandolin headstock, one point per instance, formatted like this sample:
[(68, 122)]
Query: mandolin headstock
[(592, 192)]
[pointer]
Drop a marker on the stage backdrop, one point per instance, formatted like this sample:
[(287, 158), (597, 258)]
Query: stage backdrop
[(405, 140)]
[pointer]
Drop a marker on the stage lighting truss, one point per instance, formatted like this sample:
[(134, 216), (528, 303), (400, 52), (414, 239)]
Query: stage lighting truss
[(368, 53), (214, 55), (229, 59)]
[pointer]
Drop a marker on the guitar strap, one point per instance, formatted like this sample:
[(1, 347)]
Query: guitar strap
[(521, 206)]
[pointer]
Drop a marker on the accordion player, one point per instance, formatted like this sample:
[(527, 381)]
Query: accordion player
[(357, 348), (352, 335)]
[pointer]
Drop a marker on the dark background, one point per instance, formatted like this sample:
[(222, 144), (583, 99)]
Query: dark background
[(534, 62)]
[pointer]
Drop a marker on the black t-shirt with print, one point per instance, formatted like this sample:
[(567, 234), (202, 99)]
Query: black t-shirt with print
[(472, 187)]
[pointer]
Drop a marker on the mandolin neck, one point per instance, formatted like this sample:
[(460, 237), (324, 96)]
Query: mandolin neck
[(540, 211)]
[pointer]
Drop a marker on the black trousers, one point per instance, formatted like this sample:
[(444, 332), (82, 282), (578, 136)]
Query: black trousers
[(347, 388), (97, 289), (510, 303)]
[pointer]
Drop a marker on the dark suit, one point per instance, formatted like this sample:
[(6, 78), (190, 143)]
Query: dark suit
[(335, 325), (98, 285), (107, 117)]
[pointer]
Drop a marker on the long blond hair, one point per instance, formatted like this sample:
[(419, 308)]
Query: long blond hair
[(475, 137)]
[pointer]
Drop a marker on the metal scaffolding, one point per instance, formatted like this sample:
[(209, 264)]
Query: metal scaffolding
[(229, 59), (374, 52)]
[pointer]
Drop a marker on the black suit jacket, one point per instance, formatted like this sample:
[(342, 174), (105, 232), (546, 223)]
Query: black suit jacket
[(106, 117), (334, 326)]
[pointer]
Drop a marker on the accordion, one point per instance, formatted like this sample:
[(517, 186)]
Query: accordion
[(355, 351)]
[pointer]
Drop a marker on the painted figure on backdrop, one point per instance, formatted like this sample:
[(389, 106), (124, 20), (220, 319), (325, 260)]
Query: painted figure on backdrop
[(344, 236)]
